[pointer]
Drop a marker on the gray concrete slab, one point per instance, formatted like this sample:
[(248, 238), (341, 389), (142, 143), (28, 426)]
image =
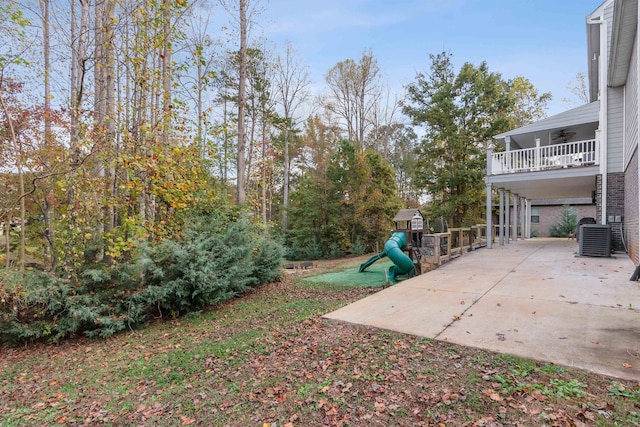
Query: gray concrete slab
[(531, 298)]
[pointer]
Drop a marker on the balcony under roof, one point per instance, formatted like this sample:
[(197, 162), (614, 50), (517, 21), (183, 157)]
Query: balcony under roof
[(576, 124)]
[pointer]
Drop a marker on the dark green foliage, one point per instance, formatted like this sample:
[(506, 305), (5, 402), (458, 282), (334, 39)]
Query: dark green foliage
[(349, 209), (214, 261), (567, 224), (313, 250), (460, 112), (359, 248)]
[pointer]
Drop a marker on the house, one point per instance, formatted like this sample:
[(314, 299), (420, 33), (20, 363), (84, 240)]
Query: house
[(586, 152), (548, 212)]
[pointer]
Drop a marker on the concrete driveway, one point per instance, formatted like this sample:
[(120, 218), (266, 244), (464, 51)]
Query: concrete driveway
[(531, 298)]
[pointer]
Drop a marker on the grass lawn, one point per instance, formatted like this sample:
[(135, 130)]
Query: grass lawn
[(269, 359)]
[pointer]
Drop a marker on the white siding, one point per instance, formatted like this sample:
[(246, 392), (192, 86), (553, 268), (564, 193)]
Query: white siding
[(615, 127), (631, 108), (615, 110), (608, 16)]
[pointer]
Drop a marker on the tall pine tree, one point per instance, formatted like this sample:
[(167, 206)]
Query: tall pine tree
[(460, 113)]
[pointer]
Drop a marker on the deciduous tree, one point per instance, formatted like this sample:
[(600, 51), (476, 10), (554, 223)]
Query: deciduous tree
[(355, 91), (292, 90)]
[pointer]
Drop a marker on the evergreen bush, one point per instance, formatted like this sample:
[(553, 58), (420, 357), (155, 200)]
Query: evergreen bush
[(567, 224), (295, 251), (334, 251), (359, 248), (214, 260), (314, 250)]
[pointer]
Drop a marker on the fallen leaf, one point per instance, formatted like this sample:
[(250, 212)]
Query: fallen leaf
[(595, 342), (495, 396), (626, 365), (186, 420)]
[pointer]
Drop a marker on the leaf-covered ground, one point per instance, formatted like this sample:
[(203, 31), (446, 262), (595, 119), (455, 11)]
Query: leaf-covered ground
[(269, 359)]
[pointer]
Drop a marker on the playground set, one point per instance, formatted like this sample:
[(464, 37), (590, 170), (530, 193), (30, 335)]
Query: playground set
[(414, 250)]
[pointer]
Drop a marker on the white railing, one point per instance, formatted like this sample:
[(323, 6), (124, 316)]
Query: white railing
[(570, 154)]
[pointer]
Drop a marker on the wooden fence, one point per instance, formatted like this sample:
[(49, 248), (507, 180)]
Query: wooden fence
[(439, 248)]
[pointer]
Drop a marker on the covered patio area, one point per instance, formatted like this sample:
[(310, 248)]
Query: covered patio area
[(533, 299), (559, 158)]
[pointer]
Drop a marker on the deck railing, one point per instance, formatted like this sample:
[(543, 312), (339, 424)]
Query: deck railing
[(570, 154), (439, 248)]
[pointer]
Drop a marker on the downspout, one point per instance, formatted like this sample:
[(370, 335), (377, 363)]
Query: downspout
[(636, 273), (602, 128)]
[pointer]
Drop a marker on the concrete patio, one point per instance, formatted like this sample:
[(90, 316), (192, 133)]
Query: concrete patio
[(531, 298)]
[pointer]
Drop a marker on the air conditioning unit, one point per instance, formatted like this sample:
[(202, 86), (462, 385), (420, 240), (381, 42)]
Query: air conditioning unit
[(595, 240)]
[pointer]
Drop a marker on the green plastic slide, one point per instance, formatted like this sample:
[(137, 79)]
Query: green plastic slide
[(393, 249)]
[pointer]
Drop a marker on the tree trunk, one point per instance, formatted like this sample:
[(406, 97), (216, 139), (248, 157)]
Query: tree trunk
[(264, 171), (199, 107), (166, 73), (241, 196), (18, 146), (110, 110), (78, 69), (105, 106), (48, 136), (285, 201), (225, 147), (7, 226)]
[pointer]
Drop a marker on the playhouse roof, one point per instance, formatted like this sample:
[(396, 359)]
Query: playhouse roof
[(406, 214)]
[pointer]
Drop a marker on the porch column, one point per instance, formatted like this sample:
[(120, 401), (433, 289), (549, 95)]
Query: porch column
[(528, 215), (489, 220), (507, 216), (501, 219), (523, 227), (516, 203)]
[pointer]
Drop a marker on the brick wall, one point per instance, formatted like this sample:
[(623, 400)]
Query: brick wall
[(631, 213), (550, 215), (615, 207)]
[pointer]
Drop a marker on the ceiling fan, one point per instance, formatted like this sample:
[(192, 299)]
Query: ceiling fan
[(563, 135)]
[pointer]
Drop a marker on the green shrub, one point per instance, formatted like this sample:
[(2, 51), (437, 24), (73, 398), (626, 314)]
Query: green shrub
[(294, 251), (208, 266), (567, 224), (359, 248), (213, 262), (334, 251), (314, 250), (266, 260)]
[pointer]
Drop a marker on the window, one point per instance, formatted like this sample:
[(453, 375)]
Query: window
[(416, 223), (535, 215)]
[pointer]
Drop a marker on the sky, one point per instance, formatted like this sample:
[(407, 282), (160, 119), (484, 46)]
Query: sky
[(542, 40)]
